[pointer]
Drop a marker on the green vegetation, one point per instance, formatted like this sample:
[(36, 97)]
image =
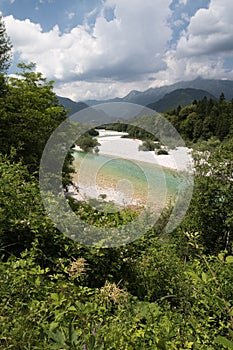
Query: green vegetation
[(5, 48), (147, 145), (163, 291), (162, 152), (204, 119), (87, 142), (182, 97)]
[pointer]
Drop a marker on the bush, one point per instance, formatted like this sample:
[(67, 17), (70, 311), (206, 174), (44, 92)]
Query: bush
[(147, 145), (162, 152), (93, 132), (87, 143), (159, 274)]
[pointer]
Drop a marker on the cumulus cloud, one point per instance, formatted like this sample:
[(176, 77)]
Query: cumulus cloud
[(126, 48), (204, 47), (121, 47), (101, 90), (188, 68), (210, 31)]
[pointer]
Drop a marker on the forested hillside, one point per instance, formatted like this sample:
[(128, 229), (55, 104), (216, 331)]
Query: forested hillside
[(163, 291), (204, 119), (180, 97)]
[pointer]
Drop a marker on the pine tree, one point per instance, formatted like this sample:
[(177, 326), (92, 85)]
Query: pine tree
[(5, 48)]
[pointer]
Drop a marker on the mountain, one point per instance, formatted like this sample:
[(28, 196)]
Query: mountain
[(73, 106), (212, 86), (182, 97), (152, 95), (81, 112)]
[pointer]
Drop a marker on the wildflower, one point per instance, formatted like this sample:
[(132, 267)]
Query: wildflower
[(77, 268), (111, 292)]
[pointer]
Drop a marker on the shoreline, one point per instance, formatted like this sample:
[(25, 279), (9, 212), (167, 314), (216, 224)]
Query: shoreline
[(119, 190), (178, 159)]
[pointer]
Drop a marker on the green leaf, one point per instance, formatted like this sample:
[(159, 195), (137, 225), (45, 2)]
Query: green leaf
[(161, 344), (194, 276), (72, 334), (58, 337), (221, 256), (37, 281), (54, 296), (92, 341), (204, 277), (72, 308), (53, 326), (229, 259), (225, 342)]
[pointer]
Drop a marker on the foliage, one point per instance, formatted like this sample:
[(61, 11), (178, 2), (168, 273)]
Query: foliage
[(87, 143), (19, 223), (29, 114), (93, 132), (5, 48), (211, 209), (204, 119), (46, 309), (147, 145), (162, 152)]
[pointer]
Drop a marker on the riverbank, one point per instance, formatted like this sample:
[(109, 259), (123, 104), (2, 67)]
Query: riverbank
[(105, 177), (112, 144)]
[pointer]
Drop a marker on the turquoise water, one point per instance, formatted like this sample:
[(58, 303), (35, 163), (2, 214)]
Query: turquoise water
[(150, 182)]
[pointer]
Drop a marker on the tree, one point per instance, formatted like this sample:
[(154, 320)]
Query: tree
[(21, 215), (211, 209), (23, 219), (87, 143), (5, 48), (222, 98), (29, 113)]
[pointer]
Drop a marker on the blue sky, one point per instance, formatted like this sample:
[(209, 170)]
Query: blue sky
[(99, 49)]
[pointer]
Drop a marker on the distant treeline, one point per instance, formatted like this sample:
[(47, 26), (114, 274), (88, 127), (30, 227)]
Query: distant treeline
[(134, 132), (204, 119)]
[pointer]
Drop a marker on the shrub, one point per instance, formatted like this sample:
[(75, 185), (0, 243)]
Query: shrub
[(162, 152), (87, 143), (147, 145)]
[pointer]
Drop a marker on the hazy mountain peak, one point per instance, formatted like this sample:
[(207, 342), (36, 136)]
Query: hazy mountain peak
[(150, 96)]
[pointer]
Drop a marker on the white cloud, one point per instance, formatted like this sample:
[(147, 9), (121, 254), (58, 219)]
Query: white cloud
[(128, 48), (111, 57), (203, 48), (100, 90), (210, 31), (188, 68)]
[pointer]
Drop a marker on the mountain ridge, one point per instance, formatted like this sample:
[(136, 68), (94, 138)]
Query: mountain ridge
[(71, 105), (179, 97), (212, 86)]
